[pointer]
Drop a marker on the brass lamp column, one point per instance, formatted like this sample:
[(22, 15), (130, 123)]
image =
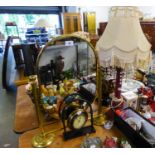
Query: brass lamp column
[(100, 118)]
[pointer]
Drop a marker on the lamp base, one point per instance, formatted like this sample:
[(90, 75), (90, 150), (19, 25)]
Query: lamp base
[(100, 120), (43, 140)]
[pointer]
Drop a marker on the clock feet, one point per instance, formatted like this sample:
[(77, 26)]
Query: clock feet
[(79, 132)]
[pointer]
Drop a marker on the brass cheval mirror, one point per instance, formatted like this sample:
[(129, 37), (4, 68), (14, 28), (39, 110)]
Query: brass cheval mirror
[(66, 88)]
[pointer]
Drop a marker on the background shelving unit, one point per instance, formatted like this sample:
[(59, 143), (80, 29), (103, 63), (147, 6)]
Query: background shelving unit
[(38, 35)]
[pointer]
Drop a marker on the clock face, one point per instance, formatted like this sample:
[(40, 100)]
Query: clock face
[(77, 119)]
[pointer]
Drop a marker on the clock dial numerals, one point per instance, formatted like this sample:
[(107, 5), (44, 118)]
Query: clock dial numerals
[(79, 121)]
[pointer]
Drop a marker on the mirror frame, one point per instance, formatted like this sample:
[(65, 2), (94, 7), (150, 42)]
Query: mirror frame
[(73, 36)]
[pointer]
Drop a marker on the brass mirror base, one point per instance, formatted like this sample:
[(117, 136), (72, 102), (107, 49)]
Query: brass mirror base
[(100, 120), (41, 140)]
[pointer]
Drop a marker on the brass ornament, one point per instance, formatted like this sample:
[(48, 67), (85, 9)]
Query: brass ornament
[(43, 140)]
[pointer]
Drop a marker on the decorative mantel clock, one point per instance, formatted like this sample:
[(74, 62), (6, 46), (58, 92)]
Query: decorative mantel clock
[(74, 113)]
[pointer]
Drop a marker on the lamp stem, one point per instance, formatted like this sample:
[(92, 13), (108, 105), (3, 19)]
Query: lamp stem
[(100, 119)]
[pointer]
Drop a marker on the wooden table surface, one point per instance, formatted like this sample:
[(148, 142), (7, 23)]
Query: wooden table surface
[(20, 78), (25, 115), (26, 121), (25, 140)]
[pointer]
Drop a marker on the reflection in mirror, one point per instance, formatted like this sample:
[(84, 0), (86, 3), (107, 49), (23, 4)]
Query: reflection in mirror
[(65, 67), (59, 62)]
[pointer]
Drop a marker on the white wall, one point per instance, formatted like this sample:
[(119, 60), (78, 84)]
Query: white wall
[(102, 12), (148, 11)]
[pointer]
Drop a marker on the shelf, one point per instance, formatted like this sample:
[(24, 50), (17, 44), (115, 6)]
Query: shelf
[(36, 34)]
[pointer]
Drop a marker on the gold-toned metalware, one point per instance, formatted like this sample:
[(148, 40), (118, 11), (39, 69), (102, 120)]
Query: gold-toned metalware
[(100, 119), (44, 139)]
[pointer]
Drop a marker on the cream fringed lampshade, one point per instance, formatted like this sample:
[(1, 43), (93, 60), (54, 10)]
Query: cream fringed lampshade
[(43, 23), (123, 43)]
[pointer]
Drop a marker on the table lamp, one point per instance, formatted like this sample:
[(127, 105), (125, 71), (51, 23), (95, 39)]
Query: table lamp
[(123, 45), (42, 23)]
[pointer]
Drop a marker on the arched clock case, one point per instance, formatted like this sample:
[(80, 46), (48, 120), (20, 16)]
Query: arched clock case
[(76, 115)]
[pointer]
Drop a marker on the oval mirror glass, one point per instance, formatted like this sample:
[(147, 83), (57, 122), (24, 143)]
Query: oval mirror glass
[(66, 65)]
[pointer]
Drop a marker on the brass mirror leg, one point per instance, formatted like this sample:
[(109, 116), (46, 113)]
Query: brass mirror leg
[(43, 140), (100, 120)]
